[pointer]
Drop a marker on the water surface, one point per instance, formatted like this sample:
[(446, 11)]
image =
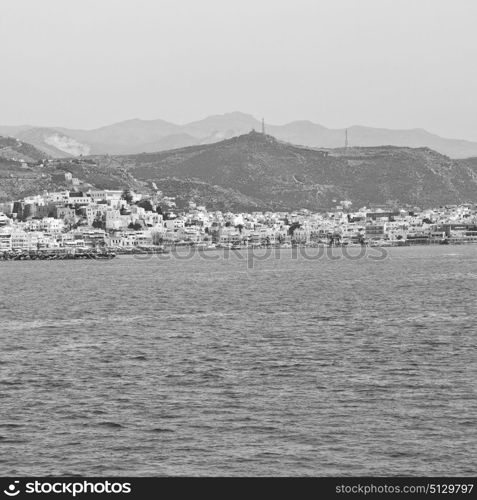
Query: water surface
[(209, 367)]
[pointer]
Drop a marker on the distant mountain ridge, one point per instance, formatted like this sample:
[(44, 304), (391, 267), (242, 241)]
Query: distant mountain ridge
[(135, 136)]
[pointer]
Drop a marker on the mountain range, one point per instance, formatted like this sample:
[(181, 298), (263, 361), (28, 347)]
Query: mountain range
[(137, 136), (255, 171)]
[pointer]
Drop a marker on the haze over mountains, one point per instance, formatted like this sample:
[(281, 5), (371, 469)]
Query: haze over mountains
[(137, 136)]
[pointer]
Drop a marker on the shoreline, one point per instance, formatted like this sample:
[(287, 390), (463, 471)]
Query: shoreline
[(108, 254)]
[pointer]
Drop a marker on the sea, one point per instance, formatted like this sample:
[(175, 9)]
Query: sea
[(241, 363)]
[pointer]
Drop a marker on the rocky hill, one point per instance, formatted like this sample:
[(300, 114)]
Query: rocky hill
[(258, 172), (279, 175), (19, 179), (12, 148)]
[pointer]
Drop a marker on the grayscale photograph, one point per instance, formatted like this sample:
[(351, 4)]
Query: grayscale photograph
[(238, 240)]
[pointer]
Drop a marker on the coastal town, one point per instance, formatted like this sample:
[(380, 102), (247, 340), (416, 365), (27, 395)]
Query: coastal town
[(103, 222)]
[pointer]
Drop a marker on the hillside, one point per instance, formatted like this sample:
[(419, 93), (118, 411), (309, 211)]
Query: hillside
[(135, 136), (279, 175), (18, 180), (14, 149), (258, 172), (54, 143)]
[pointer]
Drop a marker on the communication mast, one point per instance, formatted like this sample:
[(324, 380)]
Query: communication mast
[(346, 138), (263, 126)]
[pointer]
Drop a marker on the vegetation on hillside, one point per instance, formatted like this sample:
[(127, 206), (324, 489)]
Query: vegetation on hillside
[(257, 172)]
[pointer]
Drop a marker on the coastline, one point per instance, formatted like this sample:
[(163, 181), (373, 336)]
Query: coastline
[(111, 253)]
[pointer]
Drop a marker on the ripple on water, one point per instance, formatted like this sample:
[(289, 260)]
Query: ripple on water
[(199, 367)]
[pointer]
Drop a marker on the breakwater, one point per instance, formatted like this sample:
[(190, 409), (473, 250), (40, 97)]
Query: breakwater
[(56, 255)]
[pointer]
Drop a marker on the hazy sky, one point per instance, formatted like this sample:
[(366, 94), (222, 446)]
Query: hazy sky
[(87, 63)]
